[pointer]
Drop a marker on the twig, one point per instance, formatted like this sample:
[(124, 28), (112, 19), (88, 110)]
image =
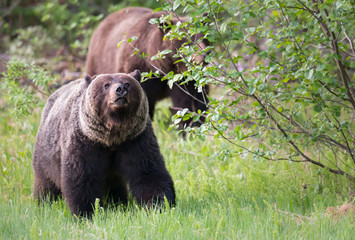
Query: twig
[(249, 151), (224, 44), (161, 71), (297, 148), (349, 40)]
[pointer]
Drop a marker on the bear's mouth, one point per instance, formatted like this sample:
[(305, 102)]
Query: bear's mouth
[(121, 101)]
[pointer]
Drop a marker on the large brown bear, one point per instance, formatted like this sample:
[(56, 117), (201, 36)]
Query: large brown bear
[(104, 56), (94, 139)]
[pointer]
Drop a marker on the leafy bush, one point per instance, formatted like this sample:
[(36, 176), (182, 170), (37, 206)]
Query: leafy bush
[(26, 85), (285, 69)]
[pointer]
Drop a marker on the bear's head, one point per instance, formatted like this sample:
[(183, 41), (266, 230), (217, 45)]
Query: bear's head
[(114, 108)]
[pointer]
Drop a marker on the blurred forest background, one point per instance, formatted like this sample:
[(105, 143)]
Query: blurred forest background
[(54, 34)]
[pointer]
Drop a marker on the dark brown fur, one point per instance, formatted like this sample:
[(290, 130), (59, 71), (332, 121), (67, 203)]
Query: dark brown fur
[(105, 57), (94, 139)]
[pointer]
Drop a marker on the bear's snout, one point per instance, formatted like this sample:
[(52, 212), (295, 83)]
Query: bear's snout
[(122, 89)]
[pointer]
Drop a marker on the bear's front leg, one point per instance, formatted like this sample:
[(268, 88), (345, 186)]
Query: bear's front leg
[(83, 180), (44, 188), (143, 167)]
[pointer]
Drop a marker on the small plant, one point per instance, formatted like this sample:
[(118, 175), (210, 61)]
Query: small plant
[(26, 85)]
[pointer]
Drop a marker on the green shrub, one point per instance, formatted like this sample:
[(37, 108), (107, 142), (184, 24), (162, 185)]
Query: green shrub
[(26, 86), (284, 68)]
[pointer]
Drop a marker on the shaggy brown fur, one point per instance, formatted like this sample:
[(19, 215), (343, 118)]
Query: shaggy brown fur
[(105, 57), (95, 137)]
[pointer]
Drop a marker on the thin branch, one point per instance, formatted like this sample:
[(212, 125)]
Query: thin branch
[(270, 58), (36, 87), (249, 151), (349, 40), (290, 118), (334, 143), (161, 71), (329, 90), (224, 44), (333, 101), (336, 159), (296, 147), (350, 129), (338, 128), (343, 75), (346, 142), (294, 38), (323, 138)]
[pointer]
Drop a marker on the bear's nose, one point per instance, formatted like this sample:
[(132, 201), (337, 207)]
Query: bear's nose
[(122, 89)]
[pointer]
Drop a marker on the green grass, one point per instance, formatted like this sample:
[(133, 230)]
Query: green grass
[(218, 196)]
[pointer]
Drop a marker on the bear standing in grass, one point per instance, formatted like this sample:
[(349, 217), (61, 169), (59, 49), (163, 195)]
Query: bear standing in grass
[(94, 139), (104, 56)]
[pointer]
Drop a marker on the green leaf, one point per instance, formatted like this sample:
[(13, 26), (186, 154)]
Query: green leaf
[(187, 116), (275, 13), (196, 118), (119, 44), (170, 84), (251, 90), (317, 108), (176, 4), (310, 74), (131, 39)]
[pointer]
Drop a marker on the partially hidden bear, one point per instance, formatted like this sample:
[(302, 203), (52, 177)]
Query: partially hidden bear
[(96, 138), (104, 56)]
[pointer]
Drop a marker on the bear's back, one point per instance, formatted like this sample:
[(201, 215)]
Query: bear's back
[(57, 113), (62, 101), (103, 54)]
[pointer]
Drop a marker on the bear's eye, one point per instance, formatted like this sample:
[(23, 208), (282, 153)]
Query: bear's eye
[(107, 85)]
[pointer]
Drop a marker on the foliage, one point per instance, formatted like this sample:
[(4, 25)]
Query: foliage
[(286, 69), (25, 85)]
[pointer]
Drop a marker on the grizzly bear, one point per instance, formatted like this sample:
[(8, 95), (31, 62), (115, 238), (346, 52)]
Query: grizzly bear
[(95, 138), (104, 56)]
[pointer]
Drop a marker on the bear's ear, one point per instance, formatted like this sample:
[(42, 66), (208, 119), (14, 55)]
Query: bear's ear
[(88, 78), (136, 74)]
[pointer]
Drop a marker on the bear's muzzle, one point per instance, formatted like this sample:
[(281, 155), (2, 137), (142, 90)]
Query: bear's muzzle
[(122, 89)]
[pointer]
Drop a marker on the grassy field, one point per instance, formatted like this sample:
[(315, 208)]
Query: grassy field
[(218, 197)]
